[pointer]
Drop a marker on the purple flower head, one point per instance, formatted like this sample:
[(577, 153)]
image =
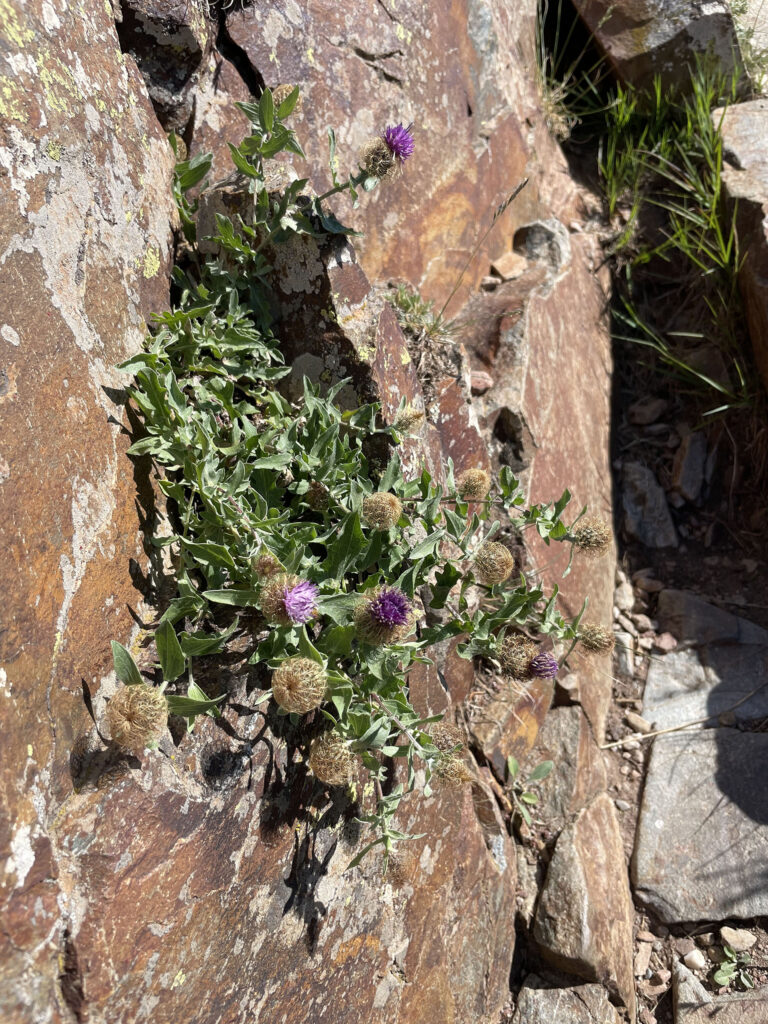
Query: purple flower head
[(299, 601), (544, 666), (390, 607), (399, 141)]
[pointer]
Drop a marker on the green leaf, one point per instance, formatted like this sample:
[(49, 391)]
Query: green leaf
[(209, 553), (541, 771), (241, 163), (238, 598), (287, 106), (172, 660), (513, 767), (529, 798), (189, 707), (343, 551), (338, 607), (266, 111), (332, 155), (126, 668), (307, 649), (427, 547)]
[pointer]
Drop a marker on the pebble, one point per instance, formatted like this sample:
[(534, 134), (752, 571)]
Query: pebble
[(632, 745), (624, 597), (661, 977), (739, 939), (637, 722), (646, 410), (646, 1017), (649, 584), (625, 658), (683, 945), (644, 936), (645, 643), (643, 622), (626, 624), (642, 959), (622, 805), (705, 939), (665, 642), (695, 960), (625, 769), (480, 382)]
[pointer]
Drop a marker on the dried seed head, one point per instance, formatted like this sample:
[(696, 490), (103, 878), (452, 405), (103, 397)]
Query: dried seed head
[(378, 160), (281, 93), (265, 564), (317, 496), (298, 684), (408, 418), (452, 770), (381, 510), (445, 736), (592, 536), (331, 760), (137, 715), (384, 617), (544, 666), (517, 653), (596, 639), (493, 563), (473, 484)]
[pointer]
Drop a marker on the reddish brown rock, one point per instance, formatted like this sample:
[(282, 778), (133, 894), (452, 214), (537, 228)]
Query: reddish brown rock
[(579, 771), (507, 724), (585, 914)]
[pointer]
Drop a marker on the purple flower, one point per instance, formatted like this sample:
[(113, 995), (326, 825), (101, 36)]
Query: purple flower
[(390, 607), (544, 666), (399, 141), (299, 601)]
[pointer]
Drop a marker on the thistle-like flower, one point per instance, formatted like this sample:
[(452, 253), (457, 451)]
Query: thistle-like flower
[(331, 760), (408, 418), (137, 715), (473, 484), (298, 684), (281, 93), (592, 536), (288, 600), (493, 563), (317, 496), (399, 140), (384, 156), (385, 617), (544, 666), (517, 653), (381, 510), (596, 639), (451, 770)]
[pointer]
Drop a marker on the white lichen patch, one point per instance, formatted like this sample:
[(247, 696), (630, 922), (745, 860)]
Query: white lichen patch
[(22, 855)]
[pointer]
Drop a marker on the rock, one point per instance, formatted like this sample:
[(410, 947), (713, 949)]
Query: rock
[(744, 128), (646, 1017), (684, 945), (509, 266), (624, 653), (643, 622), (649, 584), (646, 410), (690, 684), (507, 725), (647, 38), (642, 959), (480, 382), (584, 918), (624, 597), (583, 1004), (664, 642), (646, 515), (692, 620), (694, 1005), (688, 466), (622, 805), (695, 960), (713, 776), (626, 624), (638, 723), (739, 939), (645, 936), (579, 773)]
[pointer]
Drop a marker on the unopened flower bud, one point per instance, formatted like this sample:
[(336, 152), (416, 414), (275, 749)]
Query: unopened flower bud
[(592, 536), (517, 653), (281, 93), (473, 484), (265, 564), (493, 563), (298, 684), (384, 617), (331, 760), (452, 770), (596, 639), (408, 418), (544, 666), (137, 715), (317, 496), (381, 510)]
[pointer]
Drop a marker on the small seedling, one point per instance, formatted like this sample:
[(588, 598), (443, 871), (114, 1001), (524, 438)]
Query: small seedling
[(733, 969), (522, 797)]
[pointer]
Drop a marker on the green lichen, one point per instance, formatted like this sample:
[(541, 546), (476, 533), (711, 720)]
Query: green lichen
[(151, 263), (11, 28)]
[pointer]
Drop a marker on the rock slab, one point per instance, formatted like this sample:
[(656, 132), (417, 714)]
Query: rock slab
[(585, 914), (583, 1004), (646, 514), (702, 839)]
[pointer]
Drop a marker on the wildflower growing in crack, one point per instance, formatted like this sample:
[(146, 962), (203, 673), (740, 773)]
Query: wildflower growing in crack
[(385, 617), (493, 563), (298, 684), (517, 653), (592, 536), (331, 760), (381, 510), (596, 639), (137, 715), (384, 156), (288, 600), (473, 484), (544, 666)]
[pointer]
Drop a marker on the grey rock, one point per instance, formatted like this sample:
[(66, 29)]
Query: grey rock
[(585, 914), (625, 658), (584, 1004), (624, 597), (739, 939), (579, 773), (545, 241), (688, 466), (702, 841), (690, 684), (646, 514), (694, 1005), (695, 621), (646, 410)]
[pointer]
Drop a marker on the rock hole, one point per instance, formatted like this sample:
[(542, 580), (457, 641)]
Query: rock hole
[(221, 768), (71, 978), (238, 58), (511, 434)]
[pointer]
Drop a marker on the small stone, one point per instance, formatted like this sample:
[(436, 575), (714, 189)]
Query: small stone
[(665, 642), (642, 959), (626, 624), (622, 805), (646, 514), (646, 410), (649, 584), (643, 622), (688, 466), (509, 266), (661, 977), (645, 643), (631, 745), (646, 1017), (661, 930), (739, 939), (489, 283), (695, 960), (625, 658), (480, 382), (625, 769), (683, 945), (637, 722), (645, 936), (705, 939), (624, 597)]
